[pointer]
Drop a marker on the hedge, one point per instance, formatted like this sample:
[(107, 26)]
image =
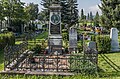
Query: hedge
[(93, 38), (6, 38), (65, 36), (103, 43)]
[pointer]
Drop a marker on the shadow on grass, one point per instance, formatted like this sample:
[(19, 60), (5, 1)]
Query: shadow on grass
[(110, 63), (109, 74), (112, 74)]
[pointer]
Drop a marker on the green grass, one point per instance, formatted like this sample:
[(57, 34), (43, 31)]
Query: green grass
[(1, 60), (88, 23), (48, 77), (42, 36), (18, 42), (109, 65), (114, 57)]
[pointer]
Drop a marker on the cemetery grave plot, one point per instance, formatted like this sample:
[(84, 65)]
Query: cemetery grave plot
[(45, 63), (20, 59)]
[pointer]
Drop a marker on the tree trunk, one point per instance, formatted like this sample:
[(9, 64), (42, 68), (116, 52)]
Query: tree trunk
[(0, 25)]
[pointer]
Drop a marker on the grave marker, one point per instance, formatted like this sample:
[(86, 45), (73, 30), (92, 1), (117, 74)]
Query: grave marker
[(114, 39), (55, 36), (92, 45), (72, 39)]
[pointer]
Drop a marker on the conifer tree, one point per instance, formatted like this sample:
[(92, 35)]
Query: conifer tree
[(111, 13), (88, 16), (91, 16), (69, 11), (82, 14), (96, 19)]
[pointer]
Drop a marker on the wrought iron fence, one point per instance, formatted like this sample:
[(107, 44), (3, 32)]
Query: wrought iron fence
[(20, 59), (12, 54)]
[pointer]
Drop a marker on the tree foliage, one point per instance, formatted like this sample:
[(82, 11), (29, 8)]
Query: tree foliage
[(82, 15), (69, 12), (96, 19), (111, 13), (16, 14), (91, 16), (45, 11), (32, 10), (88, 16)]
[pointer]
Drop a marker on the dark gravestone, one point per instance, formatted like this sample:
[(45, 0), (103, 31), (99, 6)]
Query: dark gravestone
[(92, 45)]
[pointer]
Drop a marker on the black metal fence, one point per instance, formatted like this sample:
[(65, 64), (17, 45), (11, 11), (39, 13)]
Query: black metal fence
[(20, 59), (12, 55)]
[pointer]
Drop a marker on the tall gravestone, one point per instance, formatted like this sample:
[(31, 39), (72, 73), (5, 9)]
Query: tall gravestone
[(72, 39), (55, 36), (114, 39)]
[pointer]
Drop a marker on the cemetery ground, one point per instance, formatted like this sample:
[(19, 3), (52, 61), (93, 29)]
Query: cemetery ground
[(108, 66)]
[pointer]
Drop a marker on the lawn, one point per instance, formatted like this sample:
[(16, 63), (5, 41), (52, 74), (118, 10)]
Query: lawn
[(109, 65), (42, 35)]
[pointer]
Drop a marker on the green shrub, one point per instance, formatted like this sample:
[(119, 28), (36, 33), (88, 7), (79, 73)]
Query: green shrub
[(93, 38), (6, 38), (82, 65), (103, 43), (65, 36), (37, 49)]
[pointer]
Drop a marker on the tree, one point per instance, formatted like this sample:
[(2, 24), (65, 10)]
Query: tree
[(17, 16), (88, 17), (32, 12), (82, 14), (45, 11), (1, 14), (65, 12), (7, 10), (110, 13), (96, 19), (69, 12), (13, 10), (91, 16)]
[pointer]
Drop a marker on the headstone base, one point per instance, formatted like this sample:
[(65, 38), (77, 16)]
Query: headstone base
[(73, 49), (115, 50), (55, 44)]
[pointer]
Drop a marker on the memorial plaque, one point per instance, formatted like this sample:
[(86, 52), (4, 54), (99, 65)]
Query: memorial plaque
[(55, 19), (55, 29)]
